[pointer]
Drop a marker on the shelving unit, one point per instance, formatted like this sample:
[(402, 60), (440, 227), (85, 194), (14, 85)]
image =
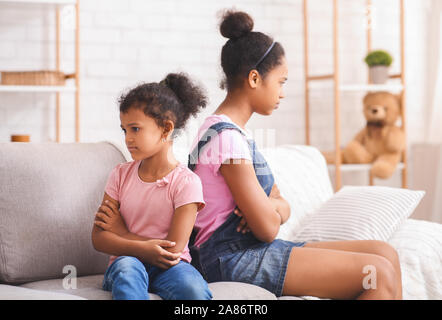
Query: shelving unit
[(359, 167), (340, 88), (44, 2), (54, 89), (56, 5)]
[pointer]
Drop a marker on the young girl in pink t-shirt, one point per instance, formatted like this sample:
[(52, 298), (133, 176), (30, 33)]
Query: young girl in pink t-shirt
[(150, 204)]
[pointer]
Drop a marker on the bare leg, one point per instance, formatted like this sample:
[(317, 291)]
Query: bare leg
[(337, 274), (380, 248)]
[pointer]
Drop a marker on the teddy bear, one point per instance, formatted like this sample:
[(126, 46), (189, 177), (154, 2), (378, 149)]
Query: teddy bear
[(381, 142)]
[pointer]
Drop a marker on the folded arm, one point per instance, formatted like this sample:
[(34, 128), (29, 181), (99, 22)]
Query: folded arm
[(260, 212), (110, 236), (280, 204), (181, 226)]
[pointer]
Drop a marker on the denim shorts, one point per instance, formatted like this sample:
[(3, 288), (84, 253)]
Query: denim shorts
[(245, 259)]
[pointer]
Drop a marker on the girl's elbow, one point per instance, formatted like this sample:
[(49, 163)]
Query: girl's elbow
[(95, 243), (269, 235), (268, 238)]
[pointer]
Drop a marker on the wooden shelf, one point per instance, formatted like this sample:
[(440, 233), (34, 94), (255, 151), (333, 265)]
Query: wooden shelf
[(371, 87), (41, 2), (359, 167), (391, 87), (57, 6), (10, 88)]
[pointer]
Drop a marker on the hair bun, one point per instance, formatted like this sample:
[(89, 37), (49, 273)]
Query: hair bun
[(191, 95), (235, 24)]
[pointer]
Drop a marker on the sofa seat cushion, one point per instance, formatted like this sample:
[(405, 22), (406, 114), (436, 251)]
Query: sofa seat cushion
[(8, 292), (89, 287), (297, 298), (239, 291)]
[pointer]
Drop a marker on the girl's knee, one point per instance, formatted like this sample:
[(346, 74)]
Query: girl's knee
[(127, 278), (193, 288), (127, 262), (198, 290), (126, 265), (385, 277), (387, 251)]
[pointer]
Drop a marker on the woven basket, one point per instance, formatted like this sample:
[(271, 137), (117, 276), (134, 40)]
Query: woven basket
[(36, 78)]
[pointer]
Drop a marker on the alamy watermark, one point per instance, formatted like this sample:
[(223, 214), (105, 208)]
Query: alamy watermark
[(70, 281), (370, 280)]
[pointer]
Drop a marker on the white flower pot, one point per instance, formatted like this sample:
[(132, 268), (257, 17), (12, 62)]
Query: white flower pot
[(379, 74)]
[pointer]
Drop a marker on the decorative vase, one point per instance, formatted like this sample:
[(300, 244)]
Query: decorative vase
[(379, 74)]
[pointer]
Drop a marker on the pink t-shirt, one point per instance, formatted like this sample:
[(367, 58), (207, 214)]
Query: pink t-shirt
[(148, 207), (229, 144)]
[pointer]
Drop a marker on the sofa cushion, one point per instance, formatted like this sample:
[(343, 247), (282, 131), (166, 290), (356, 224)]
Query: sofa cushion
[(239, 291), (48, 197), (8, 292), (89, 287), (360, 213)]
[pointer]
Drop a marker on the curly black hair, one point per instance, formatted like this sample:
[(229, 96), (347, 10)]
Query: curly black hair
[(174, 98), (245, 48)]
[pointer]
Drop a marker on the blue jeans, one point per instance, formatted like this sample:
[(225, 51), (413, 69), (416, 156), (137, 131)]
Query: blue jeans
[(129, 279)]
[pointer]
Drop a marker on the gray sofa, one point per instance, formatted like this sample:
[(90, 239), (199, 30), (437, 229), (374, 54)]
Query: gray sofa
[(49, 194)]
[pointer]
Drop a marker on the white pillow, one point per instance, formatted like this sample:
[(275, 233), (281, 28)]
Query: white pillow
[(359, 213)]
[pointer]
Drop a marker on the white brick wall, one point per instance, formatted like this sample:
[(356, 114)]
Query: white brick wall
[(126, 42)]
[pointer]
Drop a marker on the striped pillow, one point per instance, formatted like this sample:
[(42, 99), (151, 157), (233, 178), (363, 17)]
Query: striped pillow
[(359, 213)]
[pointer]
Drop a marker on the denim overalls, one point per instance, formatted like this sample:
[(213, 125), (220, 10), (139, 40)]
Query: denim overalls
[(229, 255)]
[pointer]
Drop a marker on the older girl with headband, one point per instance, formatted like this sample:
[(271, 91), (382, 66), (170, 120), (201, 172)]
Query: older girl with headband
[(241, 194)]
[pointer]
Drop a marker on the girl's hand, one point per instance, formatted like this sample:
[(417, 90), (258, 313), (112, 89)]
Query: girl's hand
[(109, 218), (153, 252), (242, 226)]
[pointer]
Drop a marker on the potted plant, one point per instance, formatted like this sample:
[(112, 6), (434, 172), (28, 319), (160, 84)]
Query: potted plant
[(378, 62)]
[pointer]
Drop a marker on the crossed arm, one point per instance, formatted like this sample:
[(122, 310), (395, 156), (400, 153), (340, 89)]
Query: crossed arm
[(111, 236), (261, 214)]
